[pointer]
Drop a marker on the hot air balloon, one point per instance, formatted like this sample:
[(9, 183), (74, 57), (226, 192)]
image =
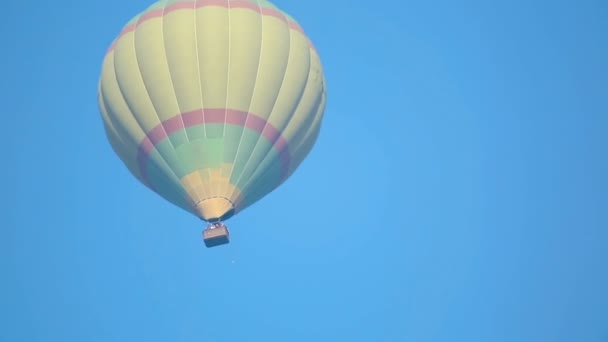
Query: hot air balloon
[(212, 104)]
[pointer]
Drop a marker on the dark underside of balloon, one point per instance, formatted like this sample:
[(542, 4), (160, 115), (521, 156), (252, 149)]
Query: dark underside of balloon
[(215, 209)]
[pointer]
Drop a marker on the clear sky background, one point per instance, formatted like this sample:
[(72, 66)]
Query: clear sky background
[(458, 191)]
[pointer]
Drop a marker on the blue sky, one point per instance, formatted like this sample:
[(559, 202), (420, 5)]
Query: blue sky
[(458, 191)]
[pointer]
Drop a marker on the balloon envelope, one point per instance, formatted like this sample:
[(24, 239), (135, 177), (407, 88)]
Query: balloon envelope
[(212, 103)]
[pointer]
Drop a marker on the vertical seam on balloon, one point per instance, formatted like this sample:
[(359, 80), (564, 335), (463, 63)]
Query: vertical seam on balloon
[(289, 120), (261, 190), (162, 33), (297, 158), (146, 87), (152, 103), (269, 115), (244, 127), (200, 86), (143, 173), (198, 61), (229, 10), (142, 170), (104, 108), (262, 186), (317, 110), (319, 101), (310, 139), (107, 118), (320, 104), (179, 109), (213, 190)]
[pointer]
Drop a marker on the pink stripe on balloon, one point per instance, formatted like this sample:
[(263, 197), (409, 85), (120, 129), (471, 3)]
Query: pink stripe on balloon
[(193, 118), (271, 133), (181, 5), (157, 134), (125, 30), (203, 3), (147, 145), (295, 26), (156, 13), (244, 4), (213, 116), (236, 117), (271, 12), (255, 123), (281, 143), (174, 124)]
